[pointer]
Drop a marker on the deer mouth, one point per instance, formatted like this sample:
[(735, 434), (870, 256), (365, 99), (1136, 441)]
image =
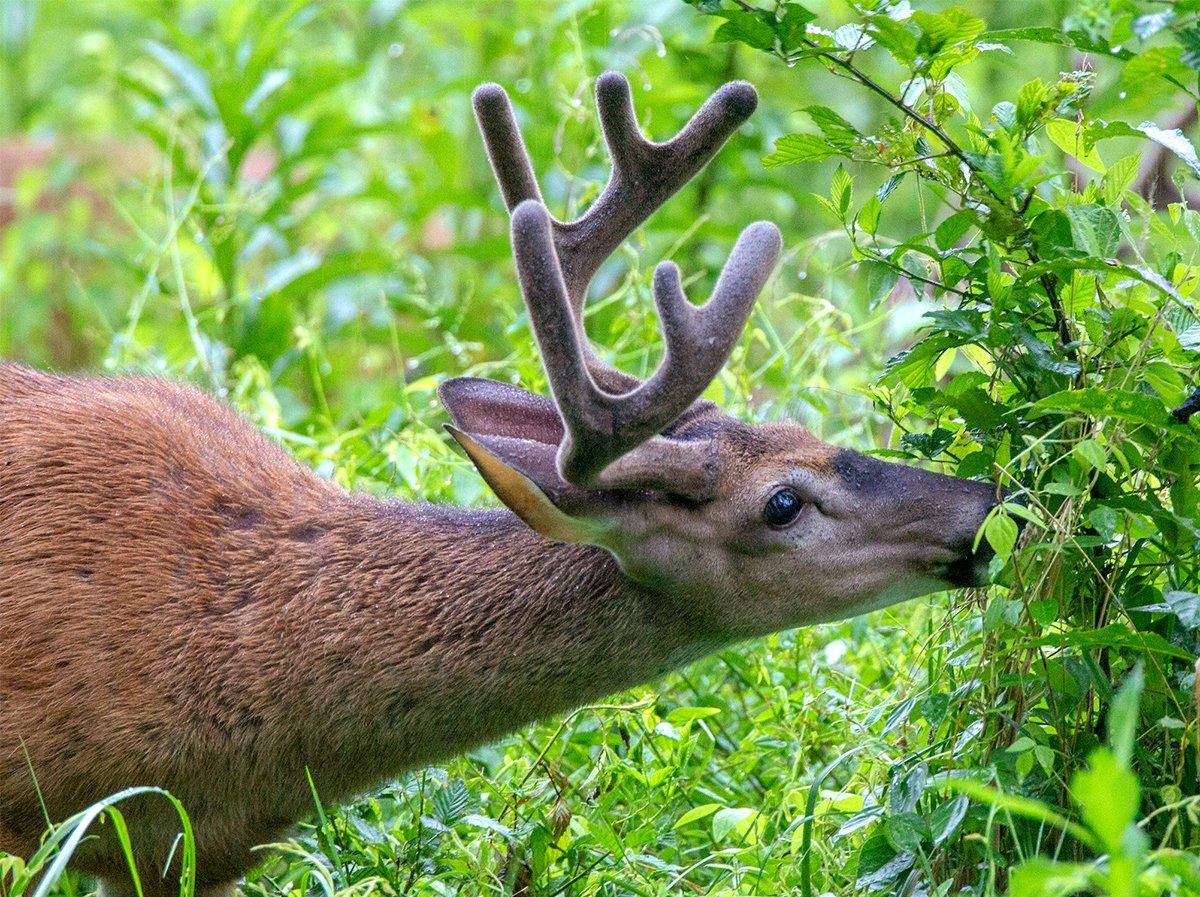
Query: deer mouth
[(967, 572)]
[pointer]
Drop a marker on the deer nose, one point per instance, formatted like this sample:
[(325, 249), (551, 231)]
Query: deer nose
[(970, 568)]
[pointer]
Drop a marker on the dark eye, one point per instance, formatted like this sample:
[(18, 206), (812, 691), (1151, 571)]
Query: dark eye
[(782, 508)]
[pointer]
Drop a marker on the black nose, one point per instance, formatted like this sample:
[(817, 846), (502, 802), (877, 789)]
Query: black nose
[(971, 567)]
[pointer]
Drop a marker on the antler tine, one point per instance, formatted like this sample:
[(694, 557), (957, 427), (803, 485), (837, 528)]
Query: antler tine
[(505, 146), (601, 428), (644, 175), (700, 339)]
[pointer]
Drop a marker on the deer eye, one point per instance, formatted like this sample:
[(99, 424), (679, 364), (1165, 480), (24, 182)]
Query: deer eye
[(782, 508)]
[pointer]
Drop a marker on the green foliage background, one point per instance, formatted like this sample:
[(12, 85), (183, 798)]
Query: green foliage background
[(286, 203)]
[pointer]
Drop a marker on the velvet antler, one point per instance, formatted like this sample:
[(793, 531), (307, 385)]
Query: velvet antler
[(611, 438)]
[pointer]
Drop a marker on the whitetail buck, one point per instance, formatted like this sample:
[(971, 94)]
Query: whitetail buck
[(182, 604)]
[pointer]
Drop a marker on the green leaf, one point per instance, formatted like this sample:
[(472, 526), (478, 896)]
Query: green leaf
[(793, 148), (954, 26), (1115, 635), (681, 715), (951, 230), (904, 831), (732, 819), (1189, 43), (1039, 877), (1175, 141), (1157, 62), (1001, 532), (1095, 402), (879, 863), (881, 279), (746, 27), (1123, 716), (1095, 228), (947, 817), (1069, 137), (1119, 178), (695, 814), (1092, 452), (841, 191), (1108, 795), (836, 130), (868, 215)]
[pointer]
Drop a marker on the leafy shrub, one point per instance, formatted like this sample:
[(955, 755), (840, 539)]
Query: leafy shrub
[(1061, 331)]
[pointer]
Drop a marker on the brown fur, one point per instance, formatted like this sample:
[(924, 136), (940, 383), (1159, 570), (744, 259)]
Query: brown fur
[(181, 604), (184, 605)]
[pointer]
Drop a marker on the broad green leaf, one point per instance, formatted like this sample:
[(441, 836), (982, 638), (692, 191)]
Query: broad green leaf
[(732, 819), (746, 27), (1039, 877), (1000, 530), (1119, 178), (1095, 228), (1069, 137), (947, 817), (1175, 141), (835, 129), (1095, 402), (695, 814), (953, 26), (1093, 453), (1108, 796)]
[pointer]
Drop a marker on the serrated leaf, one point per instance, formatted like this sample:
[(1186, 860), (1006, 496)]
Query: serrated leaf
[(746, 27), (951, 230), (1189, 44), (841, 191), (835, 129), (868, 216), (954, 26), (793, 148), (1095, 228), (1119, 178), (1095, 402)]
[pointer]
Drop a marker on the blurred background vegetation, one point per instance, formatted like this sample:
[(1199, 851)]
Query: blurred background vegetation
[(287, 204)]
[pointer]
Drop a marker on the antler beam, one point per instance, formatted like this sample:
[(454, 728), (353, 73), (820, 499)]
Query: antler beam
[(611, 438)]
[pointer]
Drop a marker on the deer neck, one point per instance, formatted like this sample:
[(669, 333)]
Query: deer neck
[(444, 628)]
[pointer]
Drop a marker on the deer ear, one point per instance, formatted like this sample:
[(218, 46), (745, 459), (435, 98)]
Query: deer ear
[(490, 408), (512, 437), (519, 492)]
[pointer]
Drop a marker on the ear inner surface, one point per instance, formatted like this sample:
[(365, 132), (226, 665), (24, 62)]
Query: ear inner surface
[(522, 495), (490, 408)]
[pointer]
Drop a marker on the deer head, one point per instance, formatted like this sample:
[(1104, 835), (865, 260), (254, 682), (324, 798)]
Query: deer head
[(767, 524)]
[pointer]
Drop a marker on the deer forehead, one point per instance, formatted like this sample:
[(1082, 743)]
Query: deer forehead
[(769, 451)]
